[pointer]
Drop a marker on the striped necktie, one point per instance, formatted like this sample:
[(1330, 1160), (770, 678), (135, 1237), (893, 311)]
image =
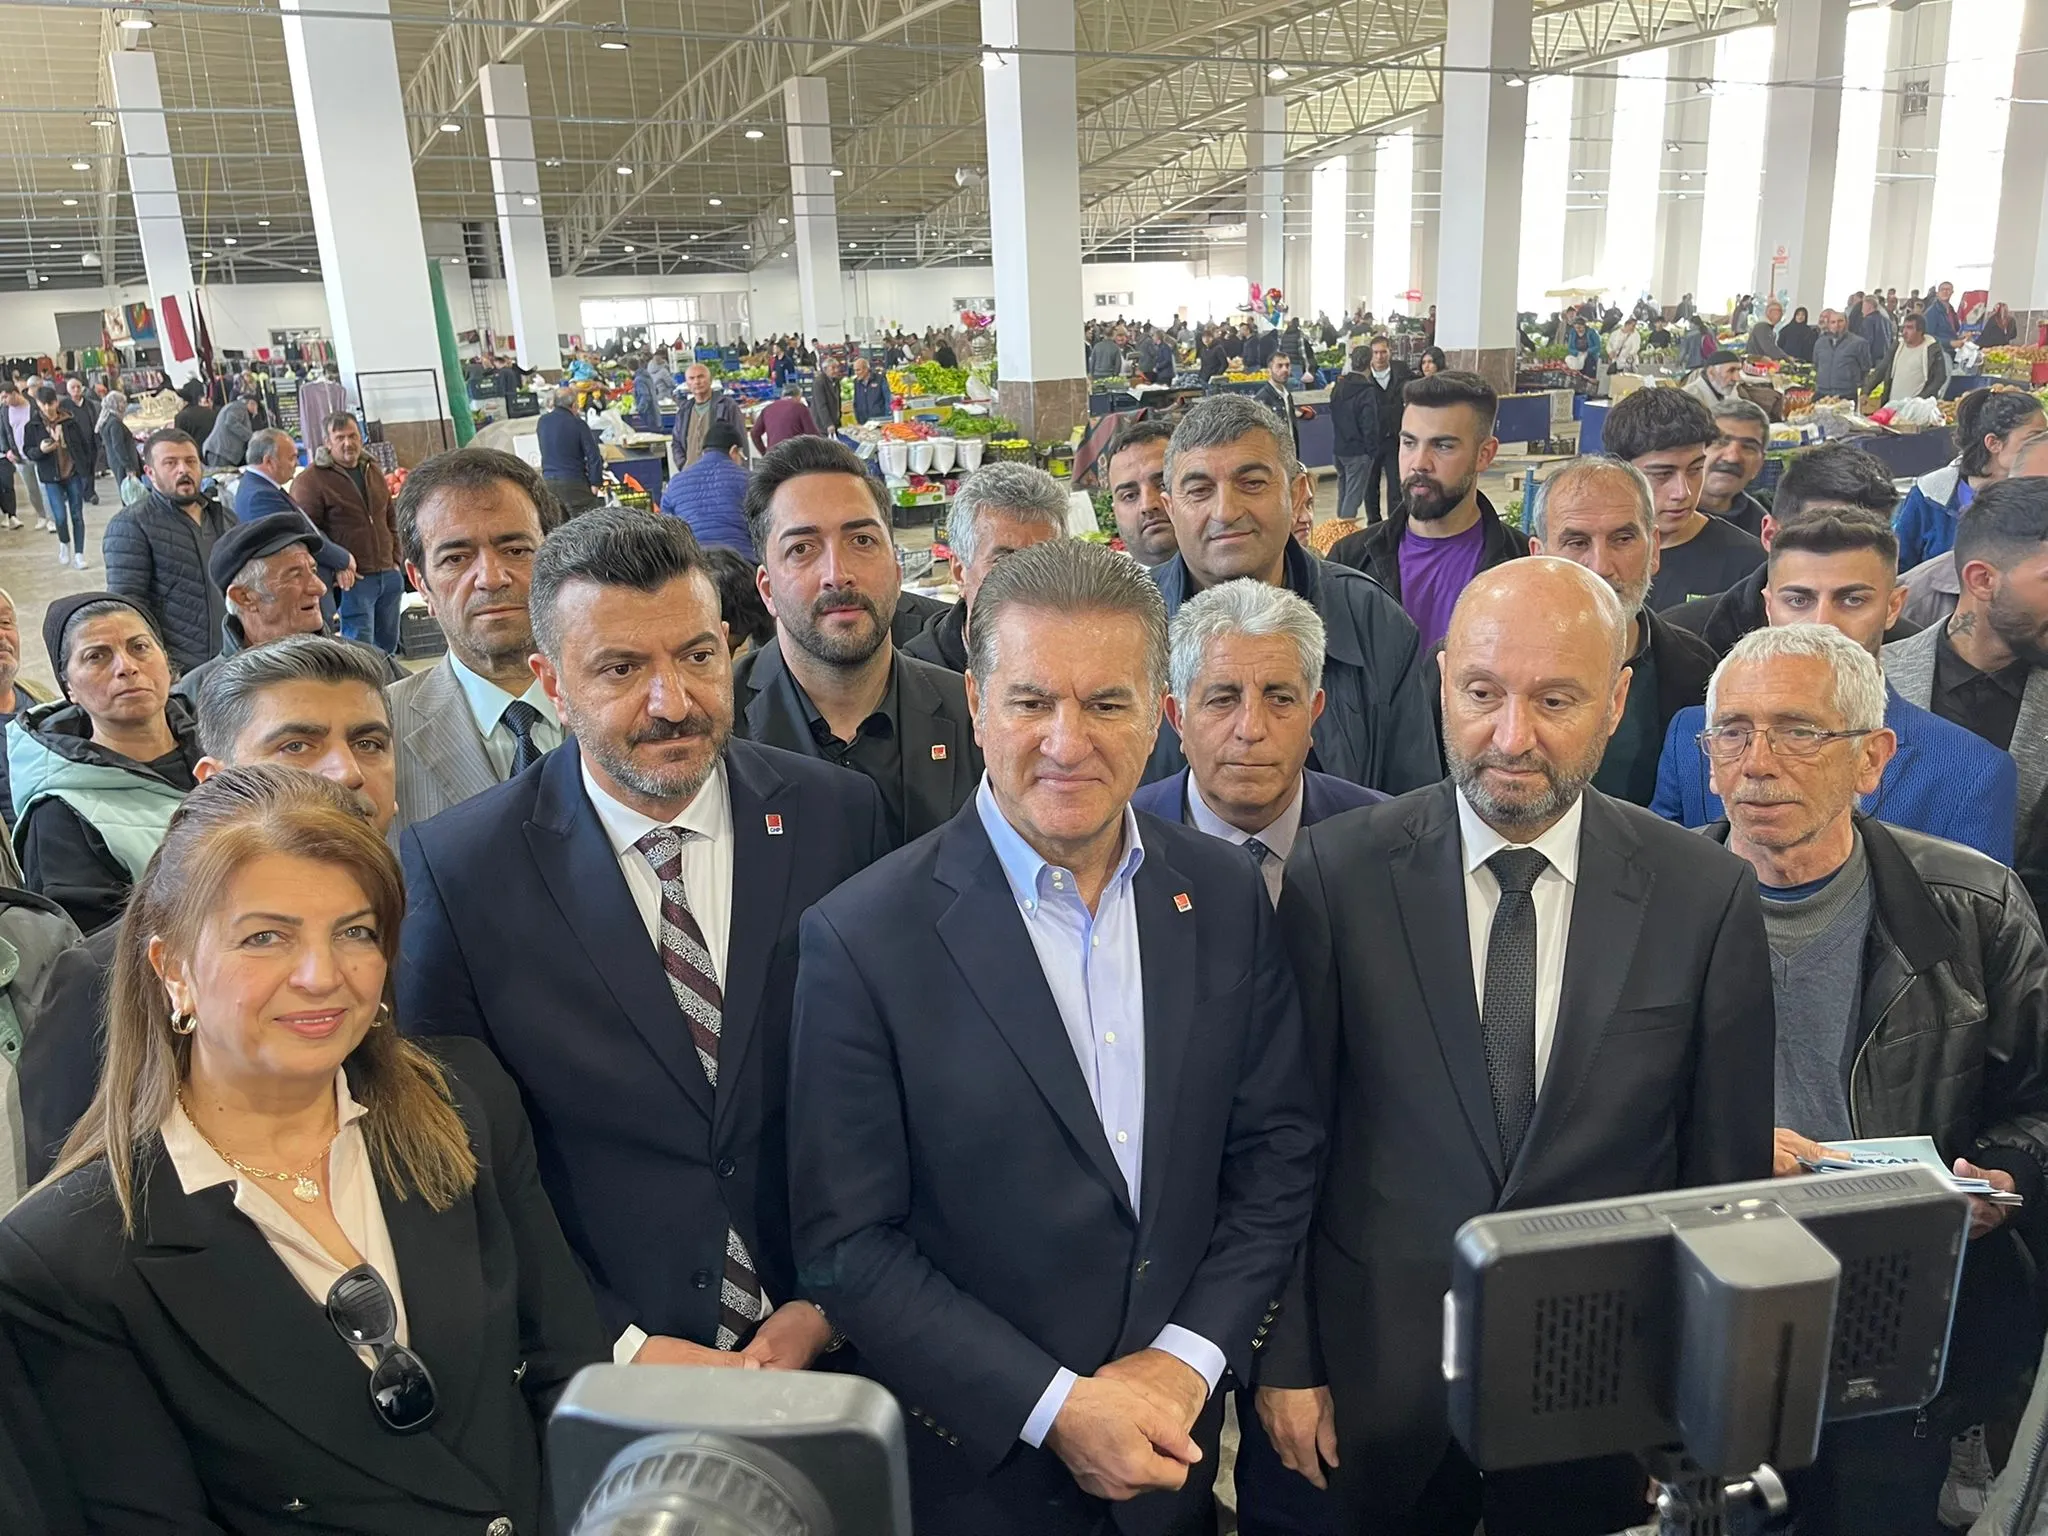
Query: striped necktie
[(693, 978)]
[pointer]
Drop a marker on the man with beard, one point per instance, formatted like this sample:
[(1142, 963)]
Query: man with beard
[(1235, 491), (1912, 1000), (1137, 491), (157, 550), (1519, 992), (1444, 532), (834, 686), (1598, 512), (1984, 668), (654, 871), (469, 524)]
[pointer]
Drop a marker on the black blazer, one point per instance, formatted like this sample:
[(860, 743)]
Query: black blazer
[(1660, 1076), (521, 931), (958, 1211), (193, 1386), (941, 763)]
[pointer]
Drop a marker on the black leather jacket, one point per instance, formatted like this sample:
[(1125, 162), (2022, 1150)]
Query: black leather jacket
[(1953, 1038)]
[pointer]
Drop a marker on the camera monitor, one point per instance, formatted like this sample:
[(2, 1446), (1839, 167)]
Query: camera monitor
[(1732, 1320)]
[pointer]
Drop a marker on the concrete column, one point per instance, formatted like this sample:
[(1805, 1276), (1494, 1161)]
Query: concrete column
[(1589, 166), (1426, 218), (1902, 205), (1358, 232), (1265, 184), (1682, 178), (159, 219), (1034, 206), (1297, 256), (366, 217), (529, 285), (1802, 126), (2019, 262), (814, 208), (1481, 194)]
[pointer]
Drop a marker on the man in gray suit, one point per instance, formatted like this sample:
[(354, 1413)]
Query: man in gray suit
[(470, 523), (1987, 667)]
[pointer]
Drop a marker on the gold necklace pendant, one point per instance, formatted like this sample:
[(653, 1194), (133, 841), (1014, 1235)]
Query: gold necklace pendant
[(305, 1189)]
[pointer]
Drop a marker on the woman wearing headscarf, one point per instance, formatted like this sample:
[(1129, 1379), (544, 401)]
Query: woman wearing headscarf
[(117, 443)]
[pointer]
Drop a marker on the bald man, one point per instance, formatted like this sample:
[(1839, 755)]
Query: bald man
[(1597, 997)]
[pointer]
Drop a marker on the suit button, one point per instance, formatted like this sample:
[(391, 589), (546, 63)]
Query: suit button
[(500, 1527), (701, 1279), (725, 1167), (1143, 1265)]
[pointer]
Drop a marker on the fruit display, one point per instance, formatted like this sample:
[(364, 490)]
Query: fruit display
[(2014, 362), (963, 424), (1010, 450), (927, 380)]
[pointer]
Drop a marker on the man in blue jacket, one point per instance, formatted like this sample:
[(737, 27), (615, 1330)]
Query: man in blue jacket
[(1840, 568), (1233, 489), (271, 459), (870, 393), (711, 494), (569, 458)]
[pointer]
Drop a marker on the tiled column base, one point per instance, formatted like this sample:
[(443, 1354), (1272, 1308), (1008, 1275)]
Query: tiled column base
[(1045, 410), (1496, 365)]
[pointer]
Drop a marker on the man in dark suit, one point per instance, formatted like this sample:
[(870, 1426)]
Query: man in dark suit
[(653, 872), (834, 686), (1519, 992), (1051, 1150), (272, 459), (1245, 675), (1386, 382)]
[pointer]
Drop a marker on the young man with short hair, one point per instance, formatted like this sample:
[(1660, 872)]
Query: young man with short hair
[(1665, 433)]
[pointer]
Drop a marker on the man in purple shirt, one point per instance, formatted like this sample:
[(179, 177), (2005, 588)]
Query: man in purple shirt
[(781, 419), (1444, 532)]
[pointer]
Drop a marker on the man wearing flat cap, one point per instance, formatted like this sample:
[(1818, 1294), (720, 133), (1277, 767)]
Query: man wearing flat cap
[(268, 571)]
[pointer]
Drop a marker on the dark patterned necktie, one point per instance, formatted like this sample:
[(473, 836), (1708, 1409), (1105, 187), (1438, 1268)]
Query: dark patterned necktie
[(1259, 853), (693, 978), (1507, 1017), (520, 718)]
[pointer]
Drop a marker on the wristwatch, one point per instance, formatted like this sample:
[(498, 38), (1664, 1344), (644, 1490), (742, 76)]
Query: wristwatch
[(837, 1338)]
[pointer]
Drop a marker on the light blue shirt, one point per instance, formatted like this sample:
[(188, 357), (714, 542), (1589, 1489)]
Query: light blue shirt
[(487, 703), (1095, 971)]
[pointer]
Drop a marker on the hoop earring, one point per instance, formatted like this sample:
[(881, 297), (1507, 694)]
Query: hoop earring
[(183, 1023), (382, 1017)]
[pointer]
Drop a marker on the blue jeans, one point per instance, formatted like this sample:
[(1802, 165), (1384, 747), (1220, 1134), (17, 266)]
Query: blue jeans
[(369, 609), (67, 498)]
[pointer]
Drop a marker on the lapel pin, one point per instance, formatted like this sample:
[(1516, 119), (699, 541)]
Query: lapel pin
[(1181, 902), (939, 753), (774, 825)]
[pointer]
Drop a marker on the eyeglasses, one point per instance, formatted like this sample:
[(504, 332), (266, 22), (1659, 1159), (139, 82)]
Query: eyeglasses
[(1728, 743), (361, 1308)]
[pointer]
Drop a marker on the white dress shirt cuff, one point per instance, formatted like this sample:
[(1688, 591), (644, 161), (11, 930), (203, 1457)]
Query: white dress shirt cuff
[(1193, 1351), (628, 1344), (1050, 1402)]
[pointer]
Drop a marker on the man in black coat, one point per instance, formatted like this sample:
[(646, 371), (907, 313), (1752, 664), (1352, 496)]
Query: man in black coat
[(157, 551), (1354, 432), (1519, 992), (1386, 385), (1598, 512), (653, 870), (834, 686)]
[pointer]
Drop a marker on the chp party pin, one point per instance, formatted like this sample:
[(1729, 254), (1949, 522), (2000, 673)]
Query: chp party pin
[(774, 824)]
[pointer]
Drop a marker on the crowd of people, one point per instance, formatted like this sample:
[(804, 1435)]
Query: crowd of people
[(1079, 1007)]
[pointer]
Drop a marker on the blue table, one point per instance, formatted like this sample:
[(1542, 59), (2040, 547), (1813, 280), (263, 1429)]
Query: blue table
[(1523, 419), (1593, 425), (647, 471), (1909, 455)]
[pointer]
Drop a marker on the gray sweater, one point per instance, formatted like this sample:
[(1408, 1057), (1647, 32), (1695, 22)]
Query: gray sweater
[(1817, 977)]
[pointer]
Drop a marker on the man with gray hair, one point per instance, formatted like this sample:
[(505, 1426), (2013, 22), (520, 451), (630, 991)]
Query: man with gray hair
[(1599, 512), (1244, 689), (1050, 1143), (1734, 459), (1233, 489), (1000, 509), (273, 459), (1519, 992), (1911, 988)]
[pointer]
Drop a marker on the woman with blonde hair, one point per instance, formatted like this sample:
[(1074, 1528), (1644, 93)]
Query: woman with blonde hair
[(291, 1271)]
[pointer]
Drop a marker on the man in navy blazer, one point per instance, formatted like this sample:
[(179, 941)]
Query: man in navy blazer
[(1051, 1149), (272, 458), (619, 923), (1839, 567), (1244, 689)]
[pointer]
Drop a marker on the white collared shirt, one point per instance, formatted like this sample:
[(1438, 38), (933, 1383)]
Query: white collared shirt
[(707, 886), (1551, 896), (487, 703), (351, 1195), (707, 859), (1278, 837)]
